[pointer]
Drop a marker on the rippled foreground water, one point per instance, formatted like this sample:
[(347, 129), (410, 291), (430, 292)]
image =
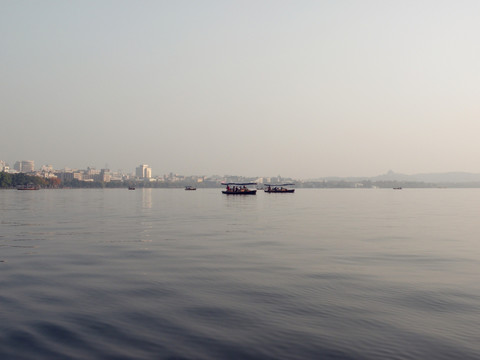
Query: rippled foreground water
[(174, 274)]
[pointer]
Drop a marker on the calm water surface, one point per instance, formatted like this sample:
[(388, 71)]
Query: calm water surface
[(174, 274)]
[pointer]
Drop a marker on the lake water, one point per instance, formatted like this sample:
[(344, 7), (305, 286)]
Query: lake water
[(175, 274)]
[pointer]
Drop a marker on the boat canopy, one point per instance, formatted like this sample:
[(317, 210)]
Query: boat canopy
[(235, 183), (279, 184)]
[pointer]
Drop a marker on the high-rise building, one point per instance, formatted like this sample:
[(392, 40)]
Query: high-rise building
[(24, 166), (148, 172), (28, 166), (143, 172)]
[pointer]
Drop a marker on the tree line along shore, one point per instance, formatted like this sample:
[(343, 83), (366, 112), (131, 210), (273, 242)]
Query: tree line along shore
[(8, 181), (12, 181)]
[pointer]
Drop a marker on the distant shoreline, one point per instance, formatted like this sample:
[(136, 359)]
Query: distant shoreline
[(299, 186), (12, 181)]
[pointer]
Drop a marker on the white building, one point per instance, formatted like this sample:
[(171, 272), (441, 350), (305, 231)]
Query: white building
[(47, 168), (24, 166), (143, 172)]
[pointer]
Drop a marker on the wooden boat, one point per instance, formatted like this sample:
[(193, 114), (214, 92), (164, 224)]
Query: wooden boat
[(28, 187), (397, 188), (131, 188), (278, 188), (190, 188), (238, 189)]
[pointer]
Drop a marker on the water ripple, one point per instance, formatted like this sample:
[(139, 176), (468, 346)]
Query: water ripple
[(162, 275)]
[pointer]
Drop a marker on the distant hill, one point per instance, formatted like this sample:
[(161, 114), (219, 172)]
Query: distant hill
[(448, 177), (438, 178)]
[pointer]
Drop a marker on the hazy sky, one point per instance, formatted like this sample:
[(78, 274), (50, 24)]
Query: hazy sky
[(298, 88)]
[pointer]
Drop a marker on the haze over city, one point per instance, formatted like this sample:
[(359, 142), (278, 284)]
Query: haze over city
[(302, 89)]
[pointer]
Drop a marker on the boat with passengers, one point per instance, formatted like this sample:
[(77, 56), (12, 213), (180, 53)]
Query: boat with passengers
[(28, 187), (239, 188), (279, 188)]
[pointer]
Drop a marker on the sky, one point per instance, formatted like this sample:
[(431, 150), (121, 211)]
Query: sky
[(301, 89)]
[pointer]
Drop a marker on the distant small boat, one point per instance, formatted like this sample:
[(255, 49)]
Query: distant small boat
[(190, 188), (28, 187), (397, 188), (131, 188), (278, 188), (238, 189)]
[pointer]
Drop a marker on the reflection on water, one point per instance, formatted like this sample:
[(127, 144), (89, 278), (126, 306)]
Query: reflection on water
[(174, 274), (147, 198)]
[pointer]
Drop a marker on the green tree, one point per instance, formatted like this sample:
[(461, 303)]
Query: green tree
[(5, 180)]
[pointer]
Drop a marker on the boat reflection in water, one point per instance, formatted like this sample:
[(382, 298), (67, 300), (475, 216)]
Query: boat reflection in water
[(239, 189), (279, 188)]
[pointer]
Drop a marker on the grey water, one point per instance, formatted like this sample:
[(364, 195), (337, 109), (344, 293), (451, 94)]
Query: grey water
[(174, 274)]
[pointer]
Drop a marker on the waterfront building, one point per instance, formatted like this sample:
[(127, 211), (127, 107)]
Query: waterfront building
[(143, 172), (28, 166), (24, 166), (66, 175), (148, 173), (104, 175), (47, 168)]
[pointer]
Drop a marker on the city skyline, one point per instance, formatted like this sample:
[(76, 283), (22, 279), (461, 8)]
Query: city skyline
[(310, 89), (144, 172)]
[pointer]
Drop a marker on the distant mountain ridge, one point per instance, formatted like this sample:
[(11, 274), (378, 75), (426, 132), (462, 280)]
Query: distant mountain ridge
[(447, 177)]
